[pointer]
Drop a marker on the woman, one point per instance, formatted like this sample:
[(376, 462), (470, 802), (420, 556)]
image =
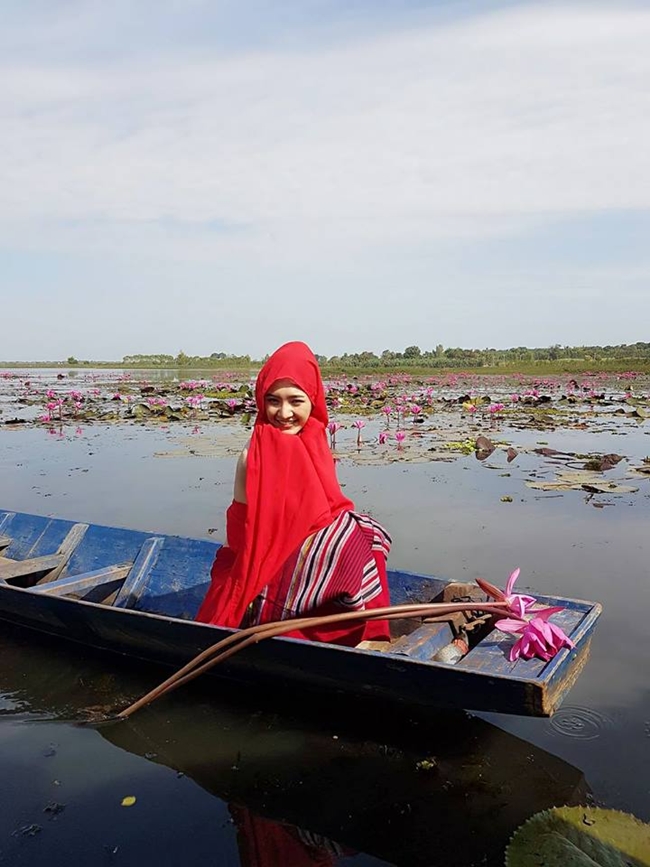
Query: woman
[(296, 547)]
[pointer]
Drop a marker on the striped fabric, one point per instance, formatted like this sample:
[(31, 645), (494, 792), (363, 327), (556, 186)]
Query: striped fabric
[(333, 570)]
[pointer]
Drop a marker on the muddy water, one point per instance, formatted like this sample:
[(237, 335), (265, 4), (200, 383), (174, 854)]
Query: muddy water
[(209, 776)]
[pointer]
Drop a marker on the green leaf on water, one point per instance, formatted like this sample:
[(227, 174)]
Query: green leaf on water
[(580, 837)]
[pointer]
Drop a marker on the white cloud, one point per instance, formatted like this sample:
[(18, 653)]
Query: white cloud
[(540, 110), (411, 186)]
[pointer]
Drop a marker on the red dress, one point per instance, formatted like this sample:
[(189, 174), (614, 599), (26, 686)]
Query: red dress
[(298, 547), (339, 568)]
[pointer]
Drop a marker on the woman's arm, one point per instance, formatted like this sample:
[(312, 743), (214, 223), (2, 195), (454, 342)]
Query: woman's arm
[(239, 494)]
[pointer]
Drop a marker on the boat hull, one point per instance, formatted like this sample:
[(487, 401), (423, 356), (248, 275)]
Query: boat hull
[(484, 681)]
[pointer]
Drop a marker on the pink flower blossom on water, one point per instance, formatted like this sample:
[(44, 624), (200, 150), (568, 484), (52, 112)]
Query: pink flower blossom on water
[(538, 637), (333, 427), (383, 436)]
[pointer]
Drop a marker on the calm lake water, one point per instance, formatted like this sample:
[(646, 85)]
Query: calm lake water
[(219, 775)]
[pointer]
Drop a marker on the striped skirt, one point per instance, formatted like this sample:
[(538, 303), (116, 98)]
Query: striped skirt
[(340, 568)]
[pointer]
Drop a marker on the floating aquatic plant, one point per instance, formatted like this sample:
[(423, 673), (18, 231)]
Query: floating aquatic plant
[(580, 837)]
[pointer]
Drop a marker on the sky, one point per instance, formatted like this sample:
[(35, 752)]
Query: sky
[(216, 176)]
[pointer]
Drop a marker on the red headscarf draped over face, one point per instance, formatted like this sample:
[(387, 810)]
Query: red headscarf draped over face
[(291, 485)]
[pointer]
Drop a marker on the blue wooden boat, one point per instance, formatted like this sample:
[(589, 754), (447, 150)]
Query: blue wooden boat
[(136, 594)]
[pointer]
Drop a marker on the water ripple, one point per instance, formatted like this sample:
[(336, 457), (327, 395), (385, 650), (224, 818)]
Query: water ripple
[(579, 722)]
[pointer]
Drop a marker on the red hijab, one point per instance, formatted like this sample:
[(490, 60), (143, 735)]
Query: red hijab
[(291, 484)]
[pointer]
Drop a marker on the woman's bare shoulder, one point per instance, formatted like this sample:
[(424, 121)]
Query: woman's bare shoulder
[(239, 494)]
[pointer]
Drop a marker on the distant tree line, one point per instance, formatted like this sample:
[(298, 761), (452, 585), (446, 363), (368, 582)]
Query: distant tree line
[(413, 356), (216, 359)]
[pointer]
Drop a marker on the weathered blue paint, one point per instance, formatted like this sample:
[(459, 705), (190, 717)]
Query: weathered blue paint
[(424, 641), (164, 579)]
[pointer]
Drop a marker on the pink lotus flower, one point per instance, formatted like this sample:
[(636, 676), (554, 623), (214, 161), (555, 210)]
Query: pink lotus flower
[(359, 424), (332, 427), (538, 637), (383, 436), (400, 436), (515, 602)]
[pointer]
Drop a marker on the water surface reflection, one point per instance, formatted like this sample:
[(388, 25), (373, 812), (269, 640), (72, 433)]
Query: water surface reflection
[(254, 779)]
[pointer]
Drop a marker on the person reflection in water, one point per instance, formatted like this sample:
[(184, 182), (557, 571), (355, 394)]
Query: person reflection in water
[(295, 544), (265, 843)]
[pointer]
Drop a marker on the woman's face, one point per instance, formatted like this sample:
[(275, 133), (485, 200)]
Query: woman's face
[(287, 406)]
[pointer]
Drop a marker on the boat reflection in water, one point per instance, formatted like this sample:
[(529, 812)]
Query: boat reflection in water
[(311, 789), (448, 790)]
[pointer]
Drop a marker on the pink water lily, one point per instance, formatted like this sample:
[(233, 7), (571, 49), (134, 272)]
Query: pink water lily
[(333, 427), (518, 603), (538, 637), (359, 424)]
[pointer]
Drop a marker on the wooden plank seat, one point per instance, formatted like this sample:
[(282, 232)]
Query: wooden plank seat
[(47, 567), (97, 585), (125, 582), (10, 569)]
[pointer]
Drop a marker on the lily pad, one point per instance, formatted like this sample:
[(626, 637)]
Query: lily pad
[(591, 487), (580, 837)]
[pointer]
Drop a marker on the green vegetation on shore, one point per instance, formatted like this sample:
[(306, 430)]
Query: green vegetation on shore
[(545, 360)]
